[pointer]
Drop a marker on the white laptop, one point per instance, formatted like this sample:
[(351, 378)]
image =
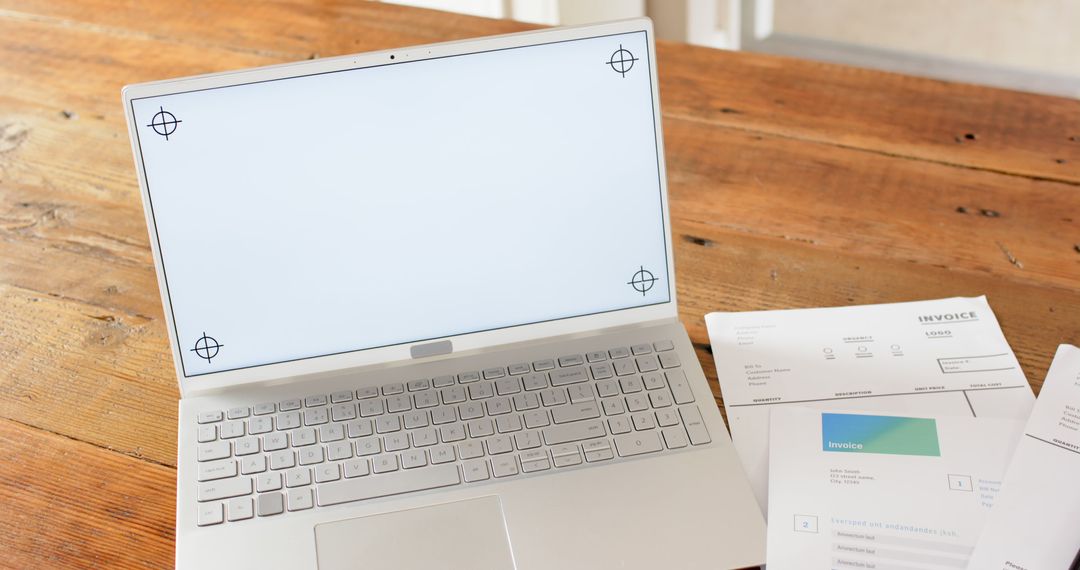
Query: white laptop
[(422, 310)]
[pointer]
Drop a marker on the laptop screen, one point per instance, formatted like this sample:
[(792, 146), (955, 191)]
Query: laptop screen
[(405, 202)]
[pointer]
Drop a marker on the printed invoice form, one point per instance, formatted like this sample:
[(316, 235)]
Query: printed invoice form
[(925, 358), (1035, 524)]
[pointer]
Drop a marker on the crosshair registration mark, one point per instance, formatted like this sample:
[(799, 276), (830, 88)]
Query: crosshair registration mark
[(164, 123), (207, 347), (642, 281), (622, 61)]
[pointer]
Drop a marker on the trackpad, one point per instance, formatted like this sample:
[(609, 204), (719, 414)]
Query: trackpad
[(468, 534)]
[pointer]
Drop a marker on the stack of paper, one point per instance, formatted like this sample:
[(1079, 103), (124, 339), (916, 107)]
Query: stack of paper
[(880, 437)]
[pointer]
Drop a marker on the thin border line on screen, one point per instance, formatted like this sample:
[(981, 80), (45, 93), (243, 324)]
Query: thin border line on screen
[(659, 185)]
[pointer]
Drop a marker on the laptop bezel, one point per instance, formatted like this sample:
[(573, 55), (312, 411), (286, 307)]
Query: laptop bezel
[(319, 365)]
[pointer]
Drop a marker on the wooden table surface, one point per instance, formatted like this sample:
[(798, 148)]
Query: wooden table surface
[(793, 184)]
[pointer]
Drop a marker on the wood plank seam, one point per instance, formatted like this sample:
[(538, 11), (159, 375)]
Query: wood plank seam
[(86, 442), (880, 152)]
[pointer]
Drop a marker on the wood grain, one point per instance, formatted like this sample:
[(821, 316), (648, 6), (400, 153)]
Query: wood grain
[(792, 184)]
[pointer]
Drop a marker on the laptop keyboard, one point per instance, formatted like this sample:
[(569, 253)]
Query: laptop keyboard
[(476, 426)]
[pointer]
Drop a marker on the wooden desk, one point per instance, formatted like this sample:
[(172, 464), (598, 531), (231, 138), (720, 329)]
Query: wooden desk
[(793, 184)]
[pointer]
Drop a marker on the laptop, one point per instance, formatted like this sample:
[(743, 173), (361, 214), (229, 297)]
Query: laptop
[(422, 310)]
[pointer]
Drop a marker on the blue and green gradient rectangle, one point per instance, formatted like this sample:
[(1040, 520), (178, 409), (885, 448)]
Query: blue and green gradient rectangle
[(853, 433)]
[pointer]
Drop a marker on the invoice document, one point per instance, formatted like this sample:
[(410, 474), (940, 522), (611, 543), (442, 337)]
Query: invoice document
[(928, 357), (1036, 523), (855, 490)]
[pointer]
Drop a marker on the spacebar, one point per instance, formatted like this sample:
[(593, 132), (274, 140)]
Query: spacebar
[(374, 486)]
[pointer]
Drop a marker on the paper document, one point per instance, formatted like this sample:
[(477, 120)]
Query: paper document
[(1036, 523), (851, 490), (922, 358)]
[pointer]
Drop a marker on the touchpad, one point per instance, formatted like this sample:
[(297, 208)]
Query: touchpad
[(468, 534)]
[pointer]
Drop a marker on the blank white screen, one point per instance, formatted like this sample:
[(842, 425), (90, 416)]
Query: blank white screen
[(364, 208)]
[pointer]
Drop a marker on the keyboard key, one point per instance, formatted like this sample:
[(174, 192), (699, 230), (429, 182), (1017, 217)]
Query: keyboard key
[(253, 464), (481, 390), (597, 450), (620, 424), (631, 384), (607, 388), (504, 466), (387, 424), (260, 424), (311, 455), (316, 416), (283, 459), (210, 417), (442, 454), (508, 386), (339, 450), (384, 464), (207, 433), (298, 477), (331, 432), (271, 504), (210, 514), (575, 412), (220, 469), (426, 399), (313, 401), (398, 403), (413, 458), (691, 417), (343, 412), (415, 420), (327, 472), (553, 396), (542, 365), (526, 401), (653, 381), (275, 441), (643, 421), (300, 499), (470, 410), (613, 406), (670, 360), (368, 446), (680, 387), (240, 509), (541, 463), (470, 449), (674, 437), (396, 442), (339, 397), (499, 444), (667, 418), (466, 377), (648, 363), (231, 429), (498, 406), (519, 368), (451, 433), (214, 450), (480, 428), (417, 385), (508, 423), (303, 436), (442, 381), (239, 412), (527, 440), (224, 489), (265, 408), (602, 371), (367, 392), (356, 468), (288, 420), (405, 482), (637, 443), (536, 381), (568, 433), (453, 395), (475, 470), (597, 356), (441, 416), (625, 367), (537, 418), (639, 349), (565, 376), (637, 402), (424, 437), (620, 352), (358, 428), (493, 373), (571, 360), (663, 345), (391, 389), (246, 446), (581, 393), (566, 455), (268, 482), (660, 398), (289, 405)]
